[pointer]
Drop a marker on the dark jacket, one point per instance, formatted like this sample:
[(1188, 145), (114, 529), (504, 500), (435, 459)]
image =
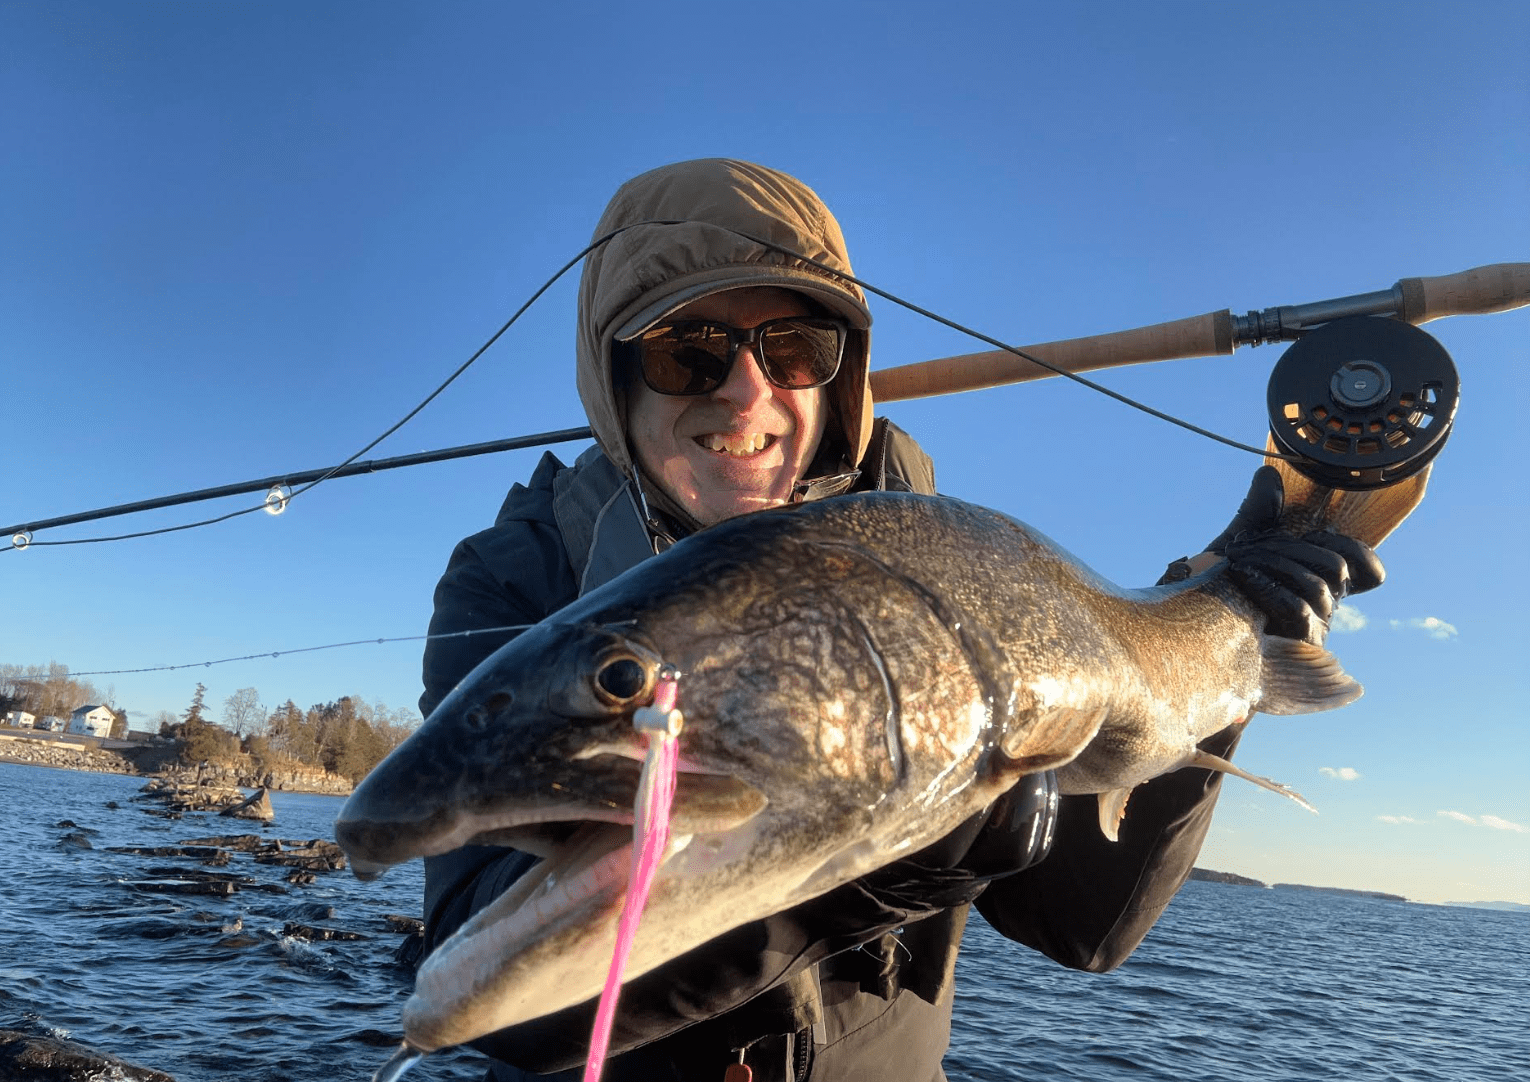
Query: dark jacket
[(849, 986)]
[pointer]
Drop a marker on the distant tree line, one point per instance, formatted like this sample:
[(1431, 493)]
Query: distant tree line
[(347, 737), (48, 691)]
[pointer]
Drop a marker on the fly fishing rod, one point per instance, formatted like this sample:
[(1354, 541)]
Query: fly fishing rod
[(1363, 400), (1359, 411), (1497, 287)]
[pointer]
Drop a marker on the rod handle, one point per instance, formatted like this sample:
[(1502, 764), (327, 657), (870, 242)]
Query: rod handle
[(1496, 287), (1198, 336)]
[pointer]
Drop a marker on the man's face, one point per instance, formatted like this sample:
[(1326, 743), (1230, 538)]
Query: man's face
[(741, 447)]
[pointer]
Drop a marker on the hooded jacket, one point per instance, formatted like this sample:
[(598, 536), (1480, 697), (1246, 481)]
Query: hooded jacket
[(852, 985)]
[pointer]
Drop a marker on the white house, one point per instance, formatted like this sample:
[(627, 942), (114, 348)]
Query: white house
[(91, 720), (19, 719)]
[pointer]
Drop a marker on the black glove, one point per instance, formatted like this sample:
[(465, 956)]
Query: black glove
[(1296, 581)]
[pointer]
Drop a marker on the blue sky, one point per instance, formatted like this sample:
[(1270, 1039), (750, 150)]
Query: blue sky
[(240, 239)]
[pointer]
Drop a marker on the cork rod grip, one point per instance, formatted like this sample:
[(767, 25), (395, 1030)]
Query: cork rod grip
[(1198, 336), (1496, 287)]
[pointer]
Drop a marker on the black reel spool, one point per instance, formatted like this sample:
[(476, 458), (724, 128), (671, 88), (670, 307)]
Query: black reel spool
[(1363, 402)]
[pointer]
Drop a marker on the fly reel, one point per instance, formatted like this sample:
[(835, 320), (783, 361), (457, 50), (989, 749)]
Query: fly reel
[(1363, 402)]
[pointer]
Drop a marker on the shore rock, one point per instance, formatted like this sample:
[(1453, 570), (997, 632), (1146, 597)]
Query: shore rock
[(214, 888), (244, 843), (28, 1057), (314, 855), (298, 930), (257, 806)]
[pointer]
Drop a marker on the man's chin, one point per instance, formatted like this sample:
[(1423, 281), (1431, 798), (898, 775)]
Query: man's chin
[(719, 509), (722, 490)]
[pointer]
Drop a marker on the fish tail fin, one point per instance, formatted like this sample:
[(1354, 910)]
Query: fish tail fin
[(1300, 678), (1368, 515), (1209, 761), (1112, 811)]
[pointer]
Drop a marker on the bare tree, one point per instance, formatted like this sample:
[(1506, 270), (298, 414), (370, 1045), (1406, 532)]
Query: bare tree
[(243, 712)]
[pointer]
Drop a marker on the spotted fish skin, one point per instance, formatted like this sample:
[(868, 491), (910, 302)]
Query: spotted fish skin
[(859, 676)]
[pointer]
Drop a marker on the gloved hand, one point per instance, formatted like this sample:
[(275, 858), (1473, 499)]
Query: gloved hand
[(1296, 581)]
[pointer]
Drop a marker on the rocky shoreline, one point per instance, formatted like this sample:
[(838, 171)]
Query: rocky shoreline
[(42, 1058), (160, 759)]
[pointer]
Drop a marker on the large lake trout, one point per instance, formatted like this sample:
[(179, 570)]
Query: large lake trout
[(859, 676)]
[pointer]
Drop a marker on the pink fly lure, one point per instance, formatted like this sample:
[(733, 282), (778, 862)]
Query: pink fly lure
[(660, 722)]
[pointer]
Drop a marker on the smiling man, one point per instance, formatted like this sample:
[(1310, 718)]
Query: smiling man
[(723, 376), (726, 404)]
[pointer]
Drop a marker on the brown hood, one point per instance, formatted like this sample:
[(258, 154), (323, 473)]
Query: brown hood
[(647, 272)]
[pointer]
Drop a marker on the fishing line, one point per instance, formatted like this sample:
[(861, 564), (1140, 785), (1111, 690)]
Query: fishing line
[(307, 650), (26, 541), (427, 400), (1006, 347)]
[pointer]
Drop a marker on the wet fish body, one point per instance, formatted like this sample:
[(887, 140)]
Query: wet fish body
[(860, 676)]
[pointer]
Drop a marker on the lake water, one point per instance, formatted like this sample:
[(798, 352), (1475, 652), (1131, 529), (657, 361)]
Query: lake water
[(1233, 983)]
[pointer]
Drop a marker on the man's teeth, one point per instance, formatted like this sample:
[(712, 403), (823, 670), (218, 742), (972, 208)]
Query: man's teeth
[(747, 443)]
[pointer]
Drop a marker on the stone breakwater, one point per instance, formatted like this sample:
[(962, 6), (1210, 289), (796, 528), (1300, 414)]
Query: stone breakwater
[(65, 756), (160, 759)]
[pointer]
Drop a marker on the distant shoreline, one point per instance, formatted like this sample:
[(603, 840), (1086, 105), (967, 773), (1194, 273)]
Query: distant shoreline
[(90, 760), (1207, 875)]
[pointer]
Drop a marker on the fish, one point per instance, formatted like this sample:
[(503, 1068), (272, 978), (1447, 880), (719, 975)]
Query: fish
[(858, 677)]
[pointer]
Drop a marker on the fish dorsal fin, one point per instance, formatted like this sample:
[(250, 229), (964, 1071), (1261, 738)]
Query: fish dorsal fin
[(1300, 678), (1052, 737)]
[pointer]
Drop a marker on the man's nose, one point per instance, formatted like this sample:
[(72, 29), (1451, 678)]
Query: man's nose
[(746, 383)]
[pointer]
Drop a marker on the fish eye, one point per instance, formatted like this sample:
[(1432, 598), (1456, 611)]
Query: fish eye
[(622, 678)]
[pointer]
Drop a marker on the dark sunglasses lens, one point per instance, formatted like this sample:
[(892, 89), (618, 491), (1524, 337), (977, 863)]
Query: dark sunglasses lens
[(695, 357), (685, 359), (800, 353)]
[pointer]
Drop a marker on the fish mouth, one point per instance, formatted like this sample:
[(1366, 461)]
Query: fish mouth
[(602, 789), (565, 906), (587, 873), (565, 899)]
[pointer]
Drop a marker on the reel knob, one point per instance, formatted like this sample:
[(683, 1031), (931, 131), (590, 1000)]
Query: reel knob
[(1363, 402)]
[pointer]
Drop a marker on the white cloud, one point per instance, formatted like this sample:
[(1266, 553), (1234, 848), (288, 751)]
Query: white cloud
[(1504, 824), (1492, 821), (1346, 618), (1344, 773), (1432, 626), (1397, 819)]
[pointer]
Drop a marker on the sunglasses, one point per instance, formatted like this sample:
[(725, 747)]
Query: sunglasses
[(694, 356)]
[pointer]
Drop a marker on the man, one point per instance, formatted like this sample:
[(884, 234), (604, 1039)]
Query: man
[(723, 376)]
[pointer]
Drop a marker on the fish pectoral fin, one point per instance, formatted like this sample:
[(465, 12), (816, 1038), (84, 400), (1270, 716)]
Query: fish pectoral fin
[(1053, 738), (1209, 761), (1112, 811)]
